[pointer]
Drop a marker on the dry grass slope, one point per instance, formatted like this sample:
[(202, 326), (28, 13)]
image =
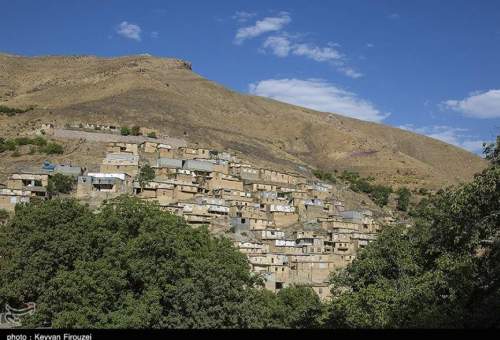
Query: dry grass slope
[(167, 95)]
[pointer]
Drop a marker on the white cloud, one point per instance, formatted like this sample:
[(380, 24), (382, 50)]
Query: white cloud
[(394, 16), (319, 95), (282, 46), (316, 53), (350, 72), (155, 35), (269, 24), (242, 16), (130, 31), (450, 135), (370, 45), (478, 105)]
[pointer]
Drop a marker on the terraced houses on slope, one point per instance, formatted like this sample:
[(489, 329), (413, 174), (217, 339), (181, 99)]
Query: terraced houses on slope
[(293, 229)]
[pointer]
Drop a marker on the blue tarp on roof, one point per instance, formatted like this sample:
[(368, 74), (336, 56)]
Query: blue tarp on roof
[(48, 166)]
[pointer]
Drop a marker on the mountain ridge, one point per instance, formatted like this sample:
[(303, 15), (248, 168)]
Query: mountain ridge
[(166, 95)]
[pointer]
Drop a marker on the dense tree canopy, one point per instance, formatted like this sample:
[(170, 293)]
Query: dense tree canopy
[(130, 265), (403, 199), (443, 272), (133, 265), (60, 183), (377, 192)]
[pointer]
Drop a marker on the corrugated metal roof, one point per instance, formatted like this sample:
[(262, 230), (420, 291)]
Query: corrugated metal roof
[(169, 162), (122, 157)]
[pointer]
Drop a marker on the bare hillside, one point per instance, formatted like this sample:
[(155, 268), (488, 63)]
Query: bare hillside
[(165, 94)]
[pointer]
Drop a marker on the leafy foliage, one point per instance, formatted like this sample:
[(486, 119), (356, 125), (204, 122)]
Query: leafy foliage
[(124, 131), (52, 148), (444, 272), (135, 131), (378, 193), (492, 151), (60, 183), (7, 145), (39, 141), (23, 140), (324, 176), (11, 111), (299, 307), (146, 174), (403, 199), (12, 144), (131, 265), (152, 134), (4, 215)]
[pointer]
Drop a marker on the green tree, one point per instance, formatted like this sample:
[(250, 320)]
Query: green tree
[(362, 185), (380, 194), (492, 151), (146, 174), (39, 141), (324, 176), (152, 134), (403, 199), (60, 183), (10, 145), (124, 131), (129, 265), (442, 272), (52, 148), (299, 307)]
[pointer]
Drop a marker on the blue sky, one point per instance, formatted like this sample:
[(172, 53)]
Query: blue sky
[(428, 66)]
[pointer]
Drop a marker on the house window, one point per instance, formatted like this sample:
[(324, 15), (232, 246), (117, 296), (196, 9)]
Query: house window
[(279, 285)]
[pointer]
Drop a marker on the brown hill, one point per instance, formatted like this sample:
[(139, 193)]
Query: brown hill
[(166, 95)]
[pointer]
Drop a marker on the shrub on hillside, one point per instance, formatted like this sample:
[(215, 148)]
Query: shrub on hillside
[(124, 131), (403, 199), (60, 183), (39, 141), (135, 131), (52, 149), (23, 141), (324, 176), (10, 111)]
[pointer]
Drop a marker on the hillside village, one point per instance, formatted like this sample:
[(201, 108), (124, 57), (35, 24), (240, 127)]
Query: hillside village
[(293, 229)]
